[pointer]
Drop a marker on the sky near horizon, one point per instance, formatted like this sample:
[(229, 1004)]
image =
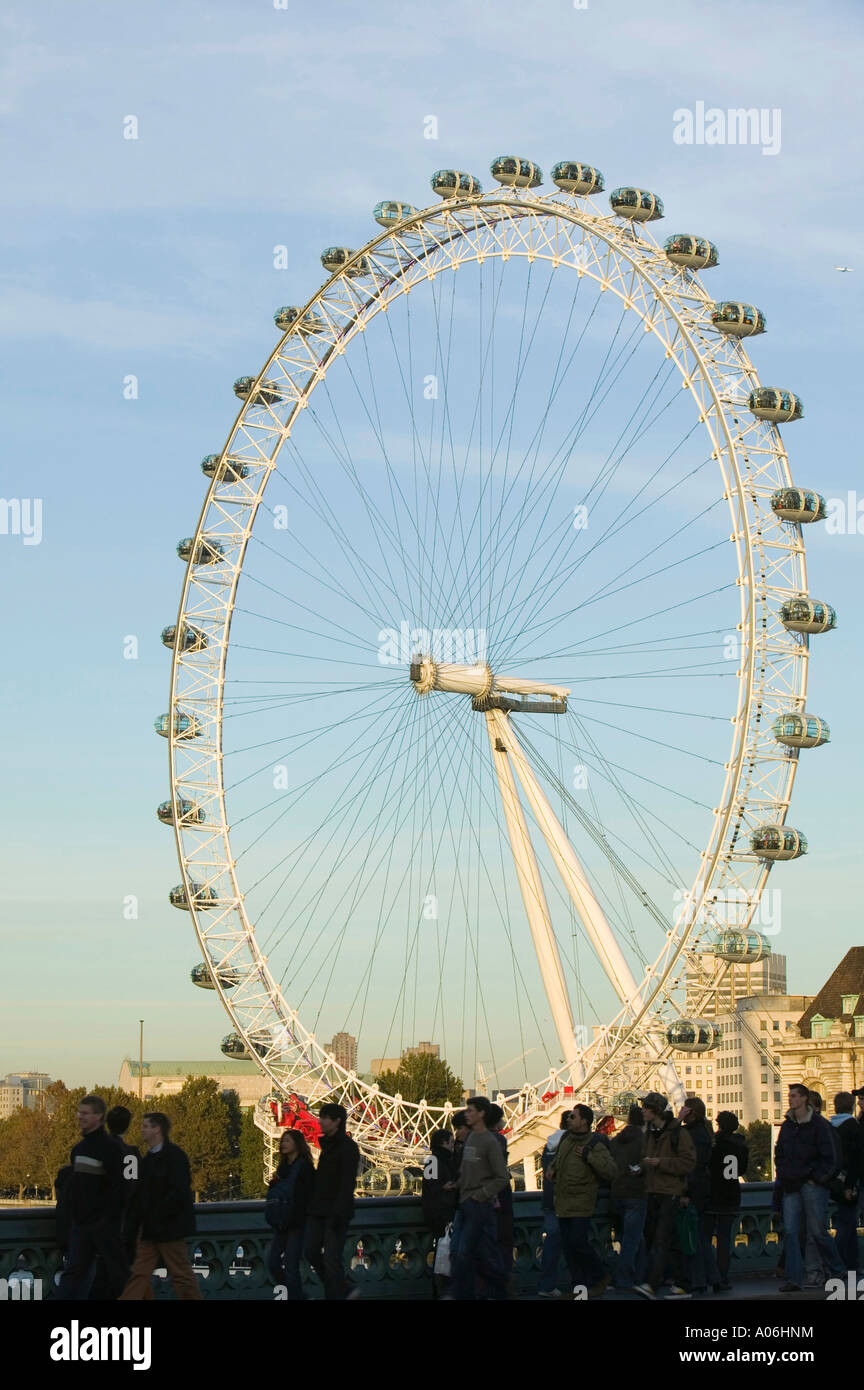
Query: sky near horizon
[(153, 257)]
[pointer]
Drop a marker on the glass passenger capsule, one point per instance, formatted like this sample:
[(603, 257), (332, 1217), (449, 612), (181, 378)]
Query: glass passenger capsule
[(309, 323), (452, 183), (203, 896), (206, 552), (636, 204), (388, 213), (192, 639), (185, 725), (778, 842), (692, 1035), (741, 947), (800, 731), (693, 252), (233, 1046), (737, 320), (622, 1101), (187, 812), (798, 504), (577, 178), (266, 393), (336, 258), (807, 615), (513, 172), (202, 974), (771, 403), (229, 471)]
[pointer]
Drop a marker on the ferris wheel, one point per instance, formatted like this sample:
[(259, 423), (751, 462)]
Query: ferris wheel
[(489, 672)]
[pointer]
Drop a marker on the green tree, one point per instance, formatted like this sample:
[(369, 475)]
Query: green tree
[(252, 1182), (759, 1138), (420, 1076), (24, 1150)]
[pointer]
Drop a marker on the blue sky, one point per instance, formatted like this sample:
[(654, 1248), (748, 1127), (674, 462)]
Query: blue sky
[(154, 257)]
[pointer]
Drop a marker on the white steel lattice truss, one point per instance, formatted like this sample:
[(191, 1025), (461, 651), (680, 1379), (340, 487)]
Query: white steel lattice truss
[(673, 306)]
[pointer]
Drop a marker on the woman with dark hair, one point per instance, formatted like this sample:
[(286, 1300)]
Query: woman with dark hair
[(703, 1269), (729, 1158), (286, 1209), (438, 1195)]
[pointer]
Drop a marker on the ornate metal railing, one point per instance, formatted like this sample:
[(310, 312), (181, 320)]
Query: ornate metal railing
[(388, 1247)]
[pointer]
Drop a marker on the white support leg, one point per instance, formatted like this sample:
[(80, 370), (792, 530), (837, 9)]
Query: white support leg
[(599, 932), (534, 898)]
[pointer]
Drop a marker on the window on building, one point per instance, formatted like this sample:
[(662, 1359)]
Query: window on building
[(764, 1095), (764, 1078), (764, 1114), (708, 1068), (778, 1095), (710, 1097), (763, 1024), (776, 1025), (687, 1070), (849, 1002), (859, 1026), (698, 1071)]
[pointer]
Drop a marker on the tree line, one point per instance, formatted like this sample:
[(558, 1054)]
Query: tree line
[(225, 1149)]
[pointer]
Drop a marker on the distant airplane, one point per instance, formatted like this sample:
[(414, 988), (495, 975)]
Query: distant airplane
[(844, 269)]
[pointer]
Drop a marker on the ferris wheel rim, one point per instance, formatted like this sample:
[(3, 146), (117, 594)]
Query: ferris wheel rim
[(607, 230)]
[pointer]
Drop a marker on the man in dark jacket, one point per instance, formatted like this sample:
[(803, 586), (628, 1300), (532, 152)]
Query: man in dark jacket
[(332, 1204), (702, 1264), (550, 1258), (628, 1202), (803, 1164), (845, 1188), (729, 1159), (117, 1122), (165, 1215), (669, 1157), (94, 1204)]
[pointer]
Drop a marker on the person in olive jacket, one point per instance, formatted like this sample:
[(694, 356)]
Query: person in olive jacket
[(582, 1161), (628, 1202), (669, 1157), (164, 1213)]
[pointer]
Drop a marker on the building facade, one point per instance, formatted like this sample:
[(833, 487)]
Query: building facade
[(739, 980), (744, 1071), (21, 1090), (167, 1078), (344, 1049), (826, 1051)]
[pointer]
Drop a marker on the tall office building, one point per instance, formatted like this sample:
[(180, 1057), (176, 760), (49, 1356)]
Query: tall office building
[(344, 1049), (739, 981)]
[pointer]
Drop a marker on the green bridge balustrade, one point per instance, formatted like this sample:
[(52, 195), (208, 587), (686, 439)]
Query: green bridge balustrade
[(388, 1247)]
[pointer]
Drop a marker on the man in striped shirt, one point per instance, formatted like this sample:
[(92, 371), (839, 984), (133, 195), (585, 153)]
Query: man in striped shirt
[(95, 1198)]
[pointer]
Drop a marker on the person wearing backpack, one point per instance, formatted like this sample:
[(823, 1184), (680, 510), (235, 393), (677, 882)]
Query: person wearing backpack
[(729, 1158), (845, 1186), (627, 1198), (669, 1156), (804, 1164), (286, 1209), (582, 1161)]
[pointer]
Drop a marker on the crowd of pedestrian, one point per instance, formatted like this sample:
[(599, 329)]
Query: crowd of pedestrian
[(673, 1185)]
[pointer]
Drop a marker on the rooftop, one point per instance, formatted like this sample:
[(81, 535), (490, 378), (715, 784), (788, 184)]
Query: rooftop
[(847, 979), (223, 1067)]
